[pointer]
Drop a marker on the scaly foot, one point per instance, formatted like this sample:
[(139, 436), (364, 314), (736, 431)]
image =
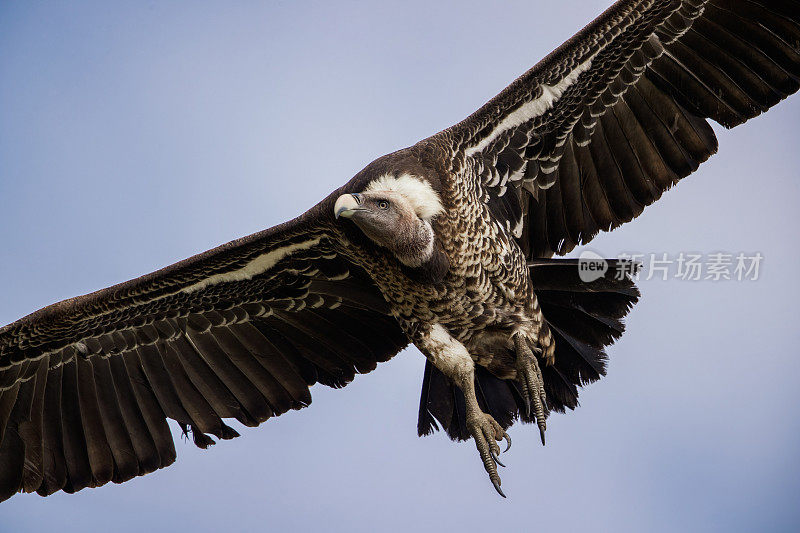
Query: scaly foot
[(487, 433), (529, 377)]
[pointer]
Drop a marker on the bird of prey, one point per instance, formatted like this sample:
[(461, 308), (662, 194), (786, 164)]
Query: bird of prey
[(447, 244)]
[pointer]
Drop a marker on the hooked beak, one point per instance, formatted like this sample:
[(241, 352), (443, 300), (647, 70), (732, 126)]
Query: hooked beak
[(347, 204)]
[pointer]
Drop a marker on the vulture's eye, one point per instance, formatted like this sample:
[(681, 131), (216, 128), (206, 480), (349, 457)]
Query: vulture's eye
[(383, 204)]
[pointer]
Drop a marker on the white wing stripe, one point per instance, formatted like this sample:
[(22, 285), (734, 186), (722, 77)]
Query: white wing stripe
[(256, 266), (535, 108)]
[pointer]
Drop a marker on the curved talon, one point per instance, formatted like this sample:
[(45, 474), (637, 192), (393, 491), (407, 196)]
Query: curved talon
[(529, 377), (508, 442), (486, 432), (497, 459), (497, 488)]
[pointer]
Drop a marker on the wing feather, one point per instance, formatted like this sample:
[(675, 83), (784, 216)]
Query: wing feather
[(143, 442), (54, 465), (280, 370), (126, 465), (101, 460), (154, 418), (12, 447), (79, 473), (31, 431)]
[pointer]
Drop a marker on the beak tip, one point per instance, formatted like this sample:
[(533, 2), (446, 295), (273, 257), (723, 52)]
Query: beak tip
[(345, 206)]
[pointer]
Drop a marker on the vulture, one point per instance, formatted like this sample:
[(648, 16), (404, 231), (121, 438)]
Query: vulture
[(448, 245)]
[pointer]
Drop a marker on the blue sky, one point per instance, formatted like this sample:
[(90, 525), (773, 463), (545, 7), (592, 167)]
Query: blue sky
[(134, 135)]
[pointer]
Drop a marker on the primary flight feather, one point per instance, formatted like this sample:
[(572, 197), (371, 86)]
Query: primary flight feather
[(447, 245)]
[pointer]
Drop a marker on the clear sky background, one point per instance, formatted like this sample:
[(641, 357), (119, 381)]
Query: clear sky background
[(132, 136)]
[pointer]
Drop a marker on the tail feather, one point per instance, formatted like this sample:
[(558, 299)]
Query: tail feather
[(584, 318)]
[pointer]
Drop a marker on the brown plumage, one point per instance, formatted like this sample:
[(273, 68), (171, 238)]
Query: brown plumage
[(445, 244)]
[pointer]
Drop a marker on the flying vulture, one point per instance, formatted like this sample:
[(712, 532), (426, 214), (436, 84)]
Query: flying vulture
[(447, 244)]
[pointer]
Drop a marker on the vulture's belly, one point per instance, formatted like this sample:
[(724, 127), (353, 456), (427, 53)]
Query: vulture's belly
[(484, 299)]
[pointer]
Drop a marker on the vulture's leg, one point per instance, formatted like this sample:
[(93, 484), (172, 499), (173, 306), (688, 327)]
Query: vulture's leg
[(454, 361), (529, 377)]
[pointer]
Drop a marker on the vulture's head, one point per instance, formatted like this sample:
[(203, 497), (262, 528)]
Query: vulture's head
[(396, 213)]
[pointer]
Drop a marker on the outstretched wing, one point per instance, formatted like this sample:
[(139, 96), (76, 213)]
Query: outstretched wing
[(605, 124), (242, 331)]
